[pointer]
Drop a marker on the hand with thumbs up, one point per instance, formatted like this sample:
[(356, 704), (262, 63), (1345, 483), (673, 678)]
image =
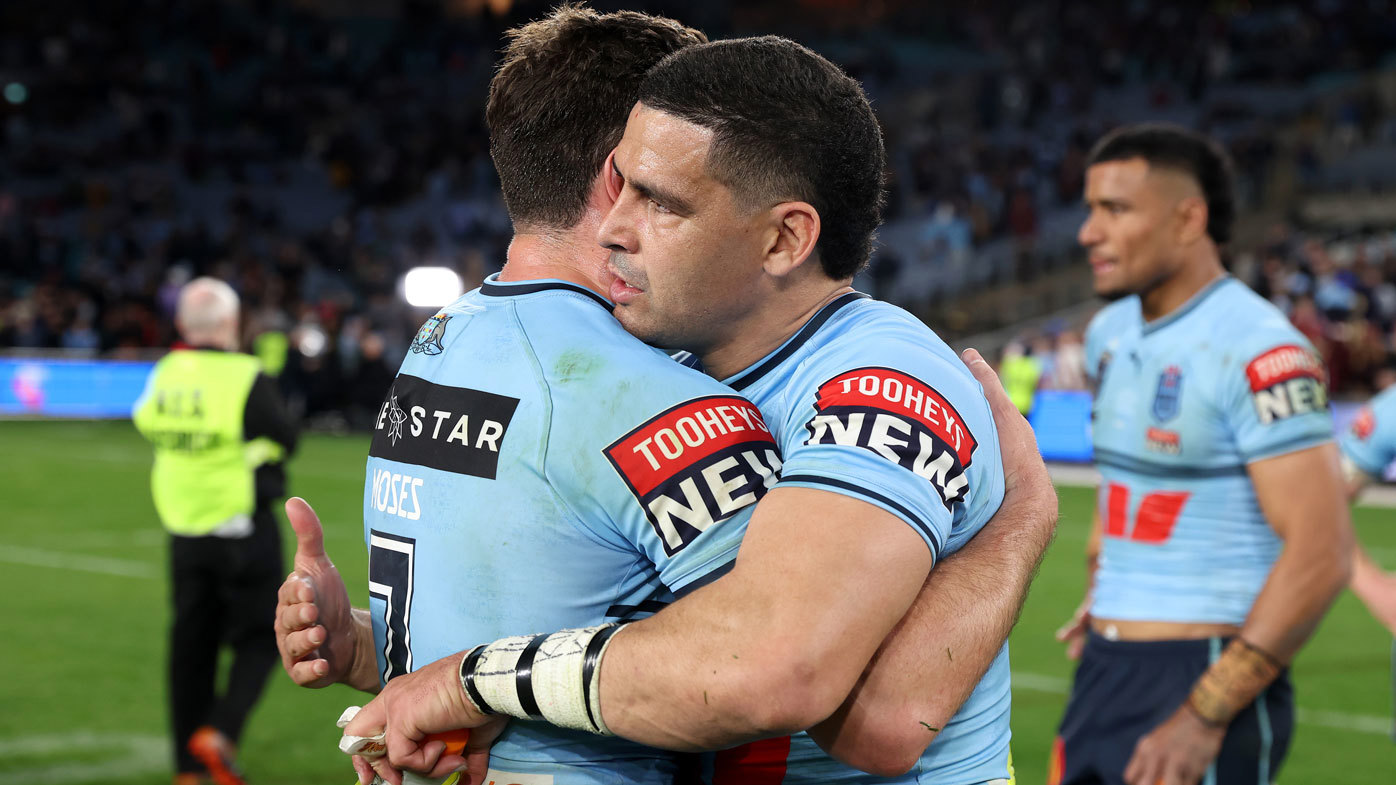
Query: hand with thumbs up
[(322, 639)]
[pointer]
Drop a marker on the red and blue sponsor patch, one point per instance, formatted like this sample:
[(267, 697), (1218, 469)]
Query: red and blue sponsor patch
[(697, 464), (900, 418)]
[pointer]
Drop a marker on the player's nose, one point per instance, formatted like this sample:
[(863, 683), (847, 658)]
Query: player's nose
[(616, 232), (1089, 234)]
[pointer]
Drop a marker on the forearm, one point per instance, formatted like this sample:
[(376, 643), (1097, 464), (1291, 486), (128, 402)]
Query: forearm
[(1303, 584), (665, 686), (363, 670), (1301, 587), (940, 650), (1367, 575), (729, 667), (776, 644)]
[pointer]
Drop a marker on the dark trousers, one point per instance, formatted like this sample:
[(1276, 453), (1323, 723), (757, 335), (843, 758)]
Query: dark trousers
[(224, 592), (1124, 689)]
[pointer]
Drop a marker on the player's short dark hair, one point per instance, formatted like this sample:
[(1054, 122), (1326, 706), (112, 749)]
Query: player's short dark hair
[(559, 101), (1174, 147), (787, 125)]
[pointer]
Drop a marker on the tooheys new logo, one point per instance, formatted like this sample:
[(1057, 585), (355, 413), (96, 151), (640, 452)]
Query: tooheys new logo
[(900, 418), (454, 429), (1287, 381), (696, 464)]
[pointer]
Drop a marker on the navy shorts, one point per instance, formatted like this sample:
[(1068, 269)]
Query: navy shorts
[(1124, 689)]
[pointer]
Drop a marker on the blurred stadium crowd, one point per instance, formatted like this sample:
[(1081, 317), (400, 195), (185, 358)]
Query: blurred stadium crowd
[(311, 158)]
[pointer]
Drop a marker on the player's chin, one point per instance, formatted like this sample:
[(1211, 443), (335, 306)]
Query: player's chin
[(1110, 291), (632, 318)]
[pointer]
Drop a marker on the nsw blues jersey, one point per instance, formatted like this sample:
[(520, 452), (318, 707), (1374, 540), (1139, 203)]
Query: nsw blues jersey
[(1184, 403), (866, 401), (533, 468), (1370, 441)]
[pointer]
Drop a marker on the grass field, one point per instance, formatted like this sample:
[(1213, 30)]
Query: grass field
[(82, 573)]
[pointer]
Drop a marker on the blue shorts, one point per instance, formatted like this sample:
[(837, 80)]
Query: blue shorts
[(1124, 689)]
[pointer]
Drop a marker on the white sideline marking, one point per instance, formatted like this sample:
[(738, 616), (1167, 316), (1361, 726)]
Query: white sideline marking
[(128, 756), (102, 565), (1360, 723)]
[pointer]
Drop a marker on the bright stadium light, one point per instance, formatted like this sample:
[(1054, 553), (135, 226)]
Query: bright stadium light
[(430, 287)]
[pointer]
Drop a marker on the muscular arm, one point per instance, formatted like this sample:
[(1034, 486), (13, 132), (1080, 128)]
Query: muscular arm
[(1373, 585), (964, 612), (1316, 561), (777, 644)]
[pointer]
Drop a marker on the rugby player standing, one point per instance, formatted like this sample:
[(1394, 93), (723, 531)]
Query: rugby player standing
[(1222, 532), (748, 186), (1369, 446), (966, 610)]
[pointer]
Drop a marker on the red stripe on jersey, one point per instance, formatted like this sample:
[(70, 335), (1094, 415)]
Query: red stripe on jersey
[(683, 436), (1153, 523), (758, 763), (896, 393), (1282, 364), (1116, 509)]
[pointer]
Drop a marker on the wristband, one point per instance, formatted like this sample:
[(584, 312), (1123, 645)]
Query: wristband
[(1232, 682), (541, 677)]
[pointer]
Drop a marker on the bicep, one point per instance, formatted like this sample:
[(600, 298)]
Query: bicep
[(1302, 491)]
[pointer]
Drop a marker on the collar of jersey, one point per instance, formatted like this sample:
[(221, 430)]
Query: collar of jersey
[(1185, 308), (744, 379), (493, 287)]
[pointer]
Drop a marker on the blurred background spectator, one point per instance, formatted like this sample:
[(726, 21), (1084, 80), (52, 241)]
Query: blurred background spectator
[(312, 152)]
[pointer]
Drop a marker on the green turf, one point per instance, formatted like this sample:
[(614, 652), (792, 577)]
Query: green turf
[(84, 651)]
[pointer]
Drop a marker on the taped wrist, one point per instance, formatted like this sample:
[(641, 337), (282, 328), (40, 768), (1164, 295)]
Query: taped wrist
[(1232, 682), (550, 677)]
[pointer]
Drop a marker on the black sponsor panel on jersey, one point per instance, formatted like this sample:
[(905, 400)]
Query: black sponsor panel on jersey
[(454, 429), (901, 419), (697, 464)]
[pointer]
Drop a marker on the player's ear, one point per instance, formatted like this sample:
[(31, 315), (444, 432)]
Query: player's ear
[(793, 236), (1192, 219), (612, 180)]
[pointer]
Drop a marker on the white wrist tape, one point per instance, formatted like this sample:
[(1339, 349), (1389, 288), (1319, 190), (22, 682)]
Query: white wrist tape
[(541, 677)]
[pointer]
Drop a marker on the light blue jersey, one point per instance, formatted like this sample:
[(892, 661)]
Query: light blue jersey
[(534, 468), (866, 401), (1184, 404), (1370, 441)]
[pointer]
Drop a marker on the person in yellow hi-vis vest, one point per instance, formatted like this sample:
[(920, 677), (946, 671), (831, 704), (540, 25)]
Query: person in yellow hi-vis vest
[(1020, 373), (220, 432)]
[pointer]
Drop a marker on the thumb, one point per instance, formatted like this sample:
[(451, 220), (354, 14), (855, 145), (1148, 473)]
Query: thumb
[(310, 537), (994, 393)]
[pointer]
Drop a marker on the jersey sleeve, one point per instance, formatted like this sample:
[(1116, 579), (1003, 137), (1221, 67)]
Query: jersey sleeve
[(1370, 440), (675, 477), (915, 438), (1276, 395)]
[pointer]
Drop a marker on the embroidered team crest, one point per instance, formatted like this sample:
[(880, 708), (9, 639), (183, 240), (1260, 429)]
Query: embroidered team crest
[(428, 340), (1168, 397)]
